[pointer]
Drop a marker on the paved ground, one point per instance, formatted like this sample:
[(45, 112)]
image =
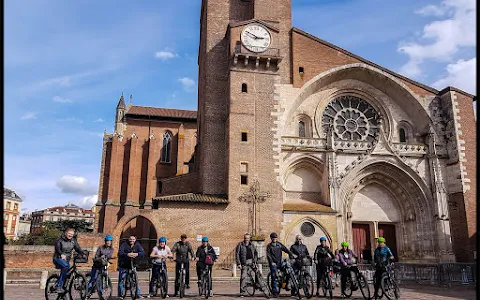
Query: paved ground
[(230, 290)]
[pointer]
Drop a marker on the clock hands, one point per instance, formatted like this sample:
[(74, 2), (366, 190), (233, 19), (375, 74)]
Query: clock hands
[(254, 36)]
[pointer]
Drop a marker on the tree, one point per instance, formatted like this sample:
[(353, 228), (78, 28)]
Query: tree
[(46, 236), (62, 225)]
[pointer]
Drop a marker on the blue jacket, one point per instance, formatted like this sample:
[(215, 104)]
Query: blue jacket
[(125, 248), (381, 255)]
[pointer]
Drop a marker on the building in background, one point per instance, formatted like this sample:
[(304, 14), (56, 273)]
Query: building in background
[(11, 212), (58, 213), (24, 225)]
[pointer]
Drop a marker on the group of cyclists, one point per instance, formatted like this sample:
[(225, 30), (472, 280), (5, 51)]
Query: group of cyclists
[(246, 253)]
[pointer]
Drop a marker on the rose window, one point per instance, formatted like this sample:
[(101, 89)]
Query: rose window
[(352, 119)]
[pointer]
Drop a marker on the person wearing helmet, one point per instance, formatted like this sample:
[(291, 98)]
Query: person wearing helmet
[(206, 256), (382, 255), (103, 254), (323, 256), (159, 254), (347, 259), (274, 256), (182, 249)]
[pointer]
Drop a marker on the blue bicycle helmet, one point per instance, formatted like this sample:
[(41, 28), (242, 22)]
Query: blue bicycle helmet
[(108, 238), (205, 239), (162, 239), (323, 239)]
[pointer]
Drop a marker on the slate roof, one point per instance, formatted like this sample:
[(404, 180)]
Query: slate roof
[(162, 112), (196, 198)]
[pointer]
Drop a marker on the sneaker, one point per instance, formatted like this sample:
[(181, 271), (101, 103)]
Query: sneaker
[(187, 286), (211, 294), (175, 295)]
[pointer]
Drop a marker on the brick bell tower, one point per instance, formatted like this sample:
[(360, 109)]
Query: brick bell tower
[(244, 50)]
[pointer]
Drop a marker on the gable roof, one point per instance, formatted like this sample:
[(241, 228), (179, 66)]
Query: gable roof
[(421, 85), (162, 112), (264, 23)]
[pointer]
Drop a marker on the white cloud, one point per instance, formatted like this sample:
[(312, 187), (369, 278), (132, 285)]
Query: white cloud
[(188, 84), (61, 100), (441, 39), (87, 202), (99, 120), (460, 75), (75, 185), (165, 54), (29, 116), (70, 119)]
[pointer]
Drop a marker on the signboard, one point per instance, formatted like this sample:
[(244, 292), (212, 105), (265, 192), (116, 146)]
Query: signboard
[(217, 250), (199, 237)]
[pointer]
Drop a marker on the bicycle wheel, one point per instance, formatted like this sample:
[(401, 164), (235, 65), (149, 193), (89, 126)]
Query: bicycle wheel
[(77, 288), (364, 287), (308, 286), (207, 285), (163, 285), (104, 286), (182, 284), (133, 285), (328, 286), (126, 285), (250, 283), (269, 284), (263, 285), (347, 292), (390, 288), (51, 287)]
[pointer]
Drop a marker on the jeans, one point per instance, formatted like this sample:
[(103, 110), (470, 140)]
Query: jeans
[(93, 277), (63, 265), (122, 273), (177, 274), (273, 272), (155, 271)]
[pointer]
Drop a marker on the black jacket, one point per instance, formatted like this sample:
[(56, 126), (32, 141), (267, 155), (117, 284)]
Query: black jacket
[(125, 248), (322, 253), (201, 255), (300, 250), (102, 251), (65, 246), (241, 253), (274, 253), (181, 251)]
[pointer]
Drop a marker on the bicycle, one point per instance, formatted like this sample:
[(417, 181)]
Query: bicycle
[(305, 280), (181, 279), (161, 282), (205, 286), (130, 281), (74, 281), (360, 280), (255, 280), (103, 284), (388, 285), (327, 284), (282, 276)]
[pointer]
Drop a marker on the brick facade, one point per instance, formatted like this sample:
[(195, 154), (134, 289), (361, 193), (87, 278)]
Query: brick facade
[(415, 172)]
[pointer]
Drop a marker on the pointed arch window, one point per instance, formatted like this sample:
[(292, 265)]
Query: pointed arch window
[(301, 129), (403, 135), (167, 147)]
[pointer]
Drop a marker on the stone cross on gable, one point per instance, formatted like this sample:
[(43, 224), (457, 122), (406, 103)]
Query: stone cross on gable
[(255, 196)]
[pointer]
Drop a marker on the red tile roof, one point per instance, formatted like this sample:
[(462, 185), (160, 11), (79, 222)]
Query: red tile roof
[(190, 197), (162, 112)]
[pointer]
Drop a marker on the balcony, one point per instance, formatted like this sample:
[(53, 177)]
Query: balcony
[(266, 58)]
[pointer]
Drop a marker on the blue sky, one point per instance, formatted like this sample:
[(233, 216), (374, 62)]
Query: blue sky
[(67, 63)]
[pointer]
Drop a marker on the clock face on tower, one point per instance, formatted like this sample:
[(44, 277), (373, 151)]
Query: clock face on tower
[(256, 38)]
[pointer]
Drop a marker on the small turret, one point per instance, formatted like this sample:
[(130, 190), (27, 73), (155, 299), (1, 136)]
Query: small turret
[(119, 118)]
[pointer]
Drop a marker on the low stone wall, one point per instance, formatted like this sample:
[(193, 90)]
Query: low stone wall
[(32, 256)]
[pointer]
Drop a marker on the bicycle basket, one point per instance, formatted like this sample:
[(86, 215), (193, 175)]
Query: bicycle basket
[(209, 260), (306, 262), (81, 258)]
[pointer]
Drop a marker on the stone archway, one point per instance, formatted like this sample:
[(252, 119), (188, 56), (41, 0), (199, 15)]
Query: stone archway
[(408, 195), (311, 230)]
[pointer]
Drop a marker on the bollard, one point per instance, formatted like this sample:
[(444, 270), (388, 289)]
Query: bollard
[(234, 270), (464, 277), (43, 280), (4, 278)]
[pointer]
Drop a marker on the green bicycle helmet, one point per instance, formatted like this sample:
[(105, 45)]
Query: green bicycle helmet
[(381, 240), (344, 244)]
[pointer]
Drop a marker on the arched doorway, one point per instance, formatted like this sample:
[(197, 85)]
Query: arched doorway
[(144, 230)]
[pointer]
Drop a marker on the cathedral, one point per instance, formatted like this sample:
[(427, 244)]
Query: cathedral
[(294, 135)]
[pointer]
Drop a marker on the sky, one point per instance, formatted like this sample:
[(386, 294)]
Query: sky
[(68, 62)]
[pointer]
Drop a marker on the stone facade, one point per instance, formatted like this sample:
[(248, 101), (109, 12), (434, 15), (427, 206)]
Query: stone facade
[(345, 148), (57, 213)]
